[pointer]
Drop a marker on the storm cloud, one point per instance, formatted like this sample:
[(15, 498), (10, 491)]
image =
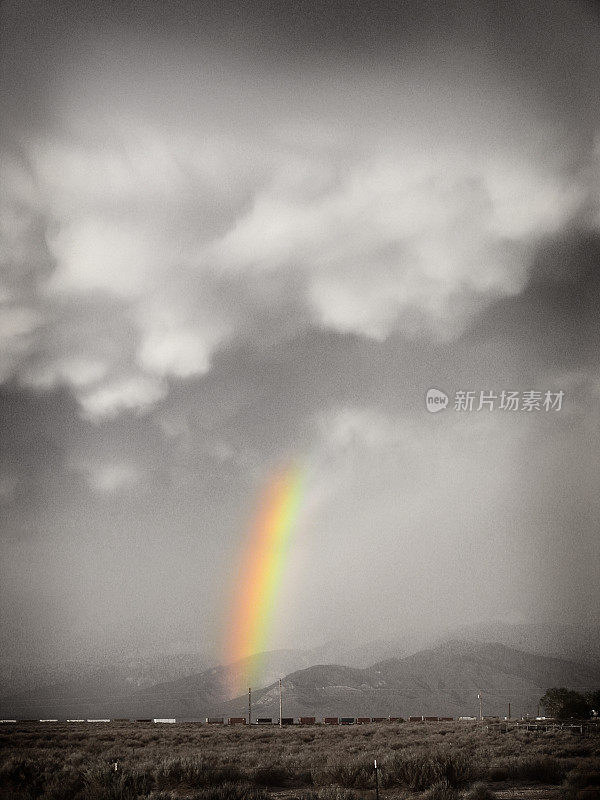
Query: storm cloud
[(238, 236)]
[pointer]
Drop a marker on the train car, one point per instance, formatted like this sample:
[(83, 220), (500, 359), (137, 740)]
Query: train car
[(287, 720), (264, 721), (50, 720), (143, 720), (416, 719), (236, 721), (215, 721), (308, 720), (97, 720), (170, 720), (331, 721), (446, 719), (347, 720), (379, 719), (363, 720), (395, 719), (431, 719)]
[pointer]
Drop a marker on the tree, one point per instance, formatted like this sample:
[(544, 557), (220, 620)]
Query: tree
[(565, 703), (593, 699)]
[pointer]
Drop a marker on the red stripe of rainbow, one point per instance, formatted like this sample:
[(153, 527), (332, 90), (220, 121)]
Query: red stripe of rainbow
[(262, 567)]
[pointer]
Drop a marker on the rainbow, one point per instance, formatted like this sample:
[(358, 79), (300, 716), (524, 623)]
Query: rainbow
[(262, 568)]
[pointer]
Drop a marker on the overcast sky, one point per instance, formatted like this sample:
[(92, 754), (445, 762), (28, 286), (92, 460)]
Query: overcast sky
[(240, 235)]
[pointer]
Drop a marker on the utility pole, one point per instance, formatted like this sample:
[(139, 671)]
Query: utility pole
[(249, 706), (376, 782), (509, 709), (480, 707), (280, 706)]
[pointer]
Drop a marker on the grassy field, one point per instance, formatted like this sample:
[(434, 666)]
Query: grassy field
[(443, 761)]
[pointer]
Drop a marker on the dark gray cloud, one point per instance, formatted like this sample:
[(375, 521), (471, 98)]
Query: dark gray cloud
[(238, 235)]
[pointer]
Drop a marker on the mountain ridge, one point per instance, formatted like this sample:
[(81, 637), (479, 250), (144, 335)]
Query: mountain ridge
[(442, 679)]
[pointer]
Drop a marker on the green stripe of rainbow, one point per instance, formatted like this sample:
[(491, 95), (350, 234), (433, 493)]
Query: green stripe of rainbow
[(262, 568)]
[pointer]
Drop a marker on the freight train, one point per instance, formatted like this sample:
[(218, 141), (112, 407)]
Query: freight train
[(244, 721)]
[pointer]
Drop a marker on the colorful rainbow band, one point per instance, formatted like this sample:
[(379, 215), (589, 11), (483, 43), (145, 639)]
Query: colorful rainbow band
[(262, 569)]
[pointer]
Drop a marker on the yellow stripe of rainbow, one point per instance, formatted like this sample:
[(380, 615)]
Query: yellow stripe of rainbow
[(262, 568)]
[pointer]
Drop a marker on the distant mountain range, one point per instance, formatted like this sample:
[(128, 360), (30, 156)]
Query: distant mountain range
[(575, 642), (443, 680), (75, 688), (81, 689), (129, 688), (123, 674)]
